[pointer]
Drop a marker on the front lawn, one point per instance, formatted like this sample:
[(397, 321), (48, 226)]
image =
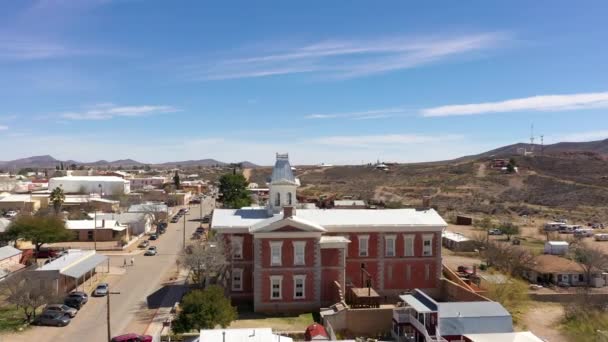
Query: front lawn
[(11, 319), (288, 323)]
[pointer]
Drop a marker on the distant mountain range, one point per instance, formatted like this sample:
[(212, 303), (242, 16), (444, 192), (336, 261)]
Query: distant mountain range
[(48, 161), (599, 147)]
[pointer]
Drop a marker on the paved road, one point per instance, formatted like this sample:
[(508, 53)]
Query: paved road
[(141, 291)]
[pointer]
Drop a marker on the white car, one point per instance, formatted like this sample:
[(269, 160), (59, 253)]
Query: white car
[(11, 214)]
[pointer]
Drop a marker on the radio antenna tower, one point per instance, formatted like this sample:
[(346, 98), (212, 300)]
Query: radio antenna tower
[(542, 145), (532, 138)]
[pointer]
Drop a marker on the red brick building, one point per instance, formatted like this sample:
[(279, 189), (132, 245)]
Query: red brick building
[(287, 258)]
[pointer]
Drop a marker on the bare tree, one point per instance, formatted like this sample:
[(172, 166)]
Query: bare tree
[(26, 294), (591, 260), (509, 258), (205, 259)]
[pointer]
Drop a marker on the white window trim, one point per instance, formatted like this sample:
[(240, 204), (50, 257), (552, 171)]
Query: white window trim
[(406, 238), (238, 271), (278, 244), (237, 241), (280, 279), (366, 238), (393, 240), (427, 237), (303, 279), (297, 244)]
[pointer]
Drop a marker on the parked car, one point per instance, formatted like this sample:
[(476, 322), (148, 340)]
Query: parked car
[(47, 253), (76, 299), (101, 290), (495, 232), (206, 219), (132, 338), (465, 270), (66, 310), (162, 230), (196, 236), (144, 244), (583, 232), (162, 225), (10, 214), (200, 230), (151, 251), (153, 237), (175, 219), (52, 318)]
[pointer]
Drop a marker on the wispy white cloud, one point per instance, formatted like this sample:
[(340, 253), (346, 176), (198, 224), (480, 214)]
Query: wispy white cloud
[(108, 111), (362, 115), (22, 48), (534, 103), (583, 136), (385, 141), (3, 128), (340, 59)]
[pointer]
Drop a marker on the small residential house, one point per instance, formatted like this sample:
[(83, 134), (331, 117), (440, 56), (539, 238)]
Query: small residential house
[(556, 247), (553, 269), (242, 335), (10, 261), (70, 270), (159, 210), (421, 318), (457, 242), (98, 230), (138, 223)]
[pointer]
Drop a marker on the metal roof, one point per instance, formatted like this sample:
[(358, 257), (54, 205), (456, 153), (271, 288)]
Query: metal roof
[(459, 318), (522, 336), (282, 170), (84, 266), (336, 218), (242, 335), (415, 303), (8, 251), (454, 236)]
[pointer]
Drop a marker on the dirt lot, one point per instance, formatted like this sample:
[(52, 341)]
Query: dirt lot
[(543, 319)]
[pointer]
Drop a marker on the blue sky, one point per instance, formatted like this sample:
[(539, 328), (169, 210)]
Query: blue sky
[(333, 82)]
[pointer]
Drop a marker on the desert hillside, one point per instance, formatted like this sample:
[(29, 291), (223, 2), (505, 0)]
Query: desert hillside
[(565, 184)]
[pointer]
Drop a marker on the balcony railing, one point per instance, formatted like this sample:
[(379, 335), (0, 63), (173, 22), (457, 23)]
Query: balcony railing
[(407, 315)]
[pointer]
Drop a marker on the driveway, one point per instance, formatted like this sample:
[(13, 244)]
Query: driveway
[(141, 290)]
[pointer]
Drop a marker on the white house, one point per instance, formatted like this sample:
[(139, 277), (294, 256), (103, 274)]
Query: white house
[(105, 185), (139, 223)]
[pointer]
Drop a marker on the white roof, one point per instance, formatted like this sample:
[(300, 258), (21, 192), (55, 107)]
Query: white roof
[(90, 179), (75, 263), (242, 335), (333, 218), (16, 198), (454, 236), (522, 336), (90, 224), (557, 243), (8, 251), (73, 257)]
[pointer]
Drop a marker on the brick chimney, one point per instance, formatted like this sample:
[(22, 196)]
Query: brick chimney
[(289, 211), (426, 201)]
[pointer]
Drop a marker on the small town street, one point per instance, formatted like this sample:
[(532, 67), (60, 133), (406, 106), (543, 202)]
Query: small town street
[(142, 289)]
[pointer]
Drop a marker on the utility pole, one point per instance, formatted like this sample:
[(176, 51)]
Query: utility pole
[(95, 230), (108, 314), (184, 233)]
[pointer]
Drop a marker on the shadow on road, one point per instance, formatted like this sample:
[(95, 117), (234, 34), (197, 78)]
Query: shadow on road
[(166, 296)]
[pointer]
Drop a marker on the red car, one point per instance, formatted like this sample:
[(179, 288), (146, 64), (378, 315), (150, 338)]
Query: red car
[(132, 338)]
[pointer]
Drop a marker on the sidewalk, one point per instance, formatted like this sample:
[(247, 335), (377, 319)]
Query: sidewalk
[(163, 314)]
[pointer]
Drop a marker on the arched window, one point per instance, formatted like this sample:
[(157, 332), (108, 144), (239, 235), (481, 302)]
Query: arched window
[(277, 202), (289, 198)]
